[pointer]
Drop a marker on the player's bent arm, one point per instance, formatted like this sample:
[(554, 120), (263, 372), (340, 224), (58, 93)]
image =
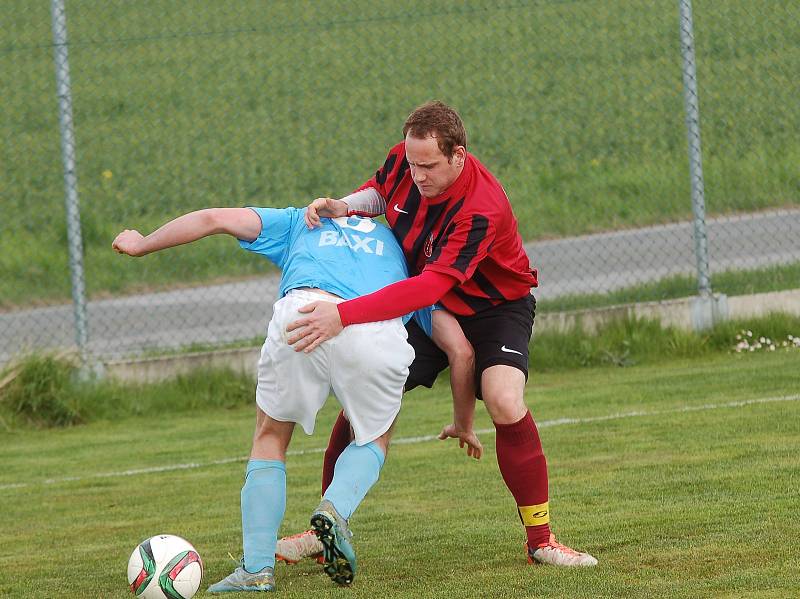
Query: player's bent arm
[(448, 336), (365, 202), (397, 299), (325, 320), (241, 223), (323, 207)]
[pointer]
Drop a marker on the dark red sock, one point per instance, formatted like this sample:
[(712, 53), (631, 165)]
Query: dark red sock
[(340, 438), (524, 469)]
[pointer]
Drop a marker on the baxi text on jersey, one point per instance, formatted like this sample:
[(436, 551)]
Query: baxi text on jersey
[(357, 243)]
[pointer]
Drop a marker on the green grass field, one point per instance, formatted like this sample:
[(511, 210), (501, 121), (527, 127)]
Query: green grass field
[(576, 106), (680, 476)]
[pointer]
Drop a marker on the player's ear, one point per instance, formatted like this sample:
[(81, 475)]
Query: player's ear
[(459, 156)]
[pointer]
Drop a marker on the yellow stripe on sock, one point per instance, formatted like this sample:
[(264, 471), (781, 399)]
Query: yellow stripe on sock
[(535, 515)]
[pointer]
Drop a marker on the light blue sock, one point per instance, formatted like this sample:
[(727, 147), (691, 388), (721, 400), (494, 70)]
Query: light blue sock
[(263, 506), (356, 470)]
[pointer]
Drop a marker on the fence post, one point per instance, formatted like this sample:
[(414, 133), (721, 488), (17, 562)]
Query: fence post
[(703, 308), (74, 240)]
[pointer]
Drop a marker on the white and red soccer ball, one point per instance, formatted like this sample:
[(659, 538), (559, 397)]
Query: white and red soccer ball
[(165, 567)]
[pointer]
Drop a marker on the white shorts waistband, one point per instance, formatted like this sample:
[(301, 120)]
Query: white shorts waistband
[(314, 296)]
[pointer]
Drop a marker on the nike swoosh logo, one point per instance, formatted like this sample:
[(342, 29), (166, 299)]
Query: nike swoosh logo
[(510, 351), (396, 209)]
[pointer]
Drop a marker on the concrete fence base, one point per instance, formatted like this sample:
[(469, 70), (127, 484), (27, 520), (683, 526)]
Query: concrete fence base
[(691, 313)]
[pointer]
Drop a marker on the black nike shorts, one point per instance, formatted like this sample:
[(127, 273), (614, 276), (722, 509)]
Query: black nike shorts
[(499, 335)]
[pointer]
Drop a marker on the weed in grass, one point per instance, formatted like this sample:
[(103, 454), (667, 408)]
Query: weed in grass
[(778, 326), (633, 341), (41, 395), (747, 342), (47, 392), (623, 343)]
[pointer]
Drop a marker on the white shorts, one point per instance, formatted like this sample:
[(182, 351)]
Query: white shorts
[(366, 366)]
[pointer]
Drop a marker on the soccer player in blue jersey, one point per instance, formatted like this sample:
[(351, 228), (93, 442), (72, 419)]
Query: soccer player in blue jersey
[(343, 259)]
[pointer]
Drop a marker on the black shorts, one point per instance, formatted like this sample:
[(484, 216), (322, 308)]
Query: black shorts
[(499, 335)]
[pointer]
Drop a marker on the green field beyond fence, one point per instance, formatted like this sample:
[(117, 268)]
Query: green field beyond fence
[(576, 106)]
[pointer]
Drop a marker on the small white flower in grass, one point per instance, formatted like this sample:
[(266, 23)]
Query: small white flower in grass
[(745, 341)]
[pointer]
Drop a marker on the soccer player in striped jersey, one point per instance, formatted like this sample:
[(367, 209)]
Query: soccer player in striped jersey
[(461, 240)]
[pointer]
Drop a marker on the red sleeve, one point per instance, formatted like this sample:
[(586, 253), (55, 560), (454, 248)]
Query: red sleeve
[(385, 177), (465, 243), (397, 299)]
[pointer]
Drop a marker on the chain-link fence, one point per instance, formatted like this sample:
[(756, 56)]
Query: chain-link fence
[(144, 110)]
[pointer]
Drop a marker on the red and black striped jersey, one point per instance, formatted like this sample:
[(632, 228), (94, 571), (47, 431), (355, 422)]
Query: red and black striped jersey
[(468, 232)]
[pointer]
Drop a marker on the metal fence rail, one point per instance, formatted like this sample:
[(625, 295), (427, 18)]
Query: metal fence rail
[(148, 109)]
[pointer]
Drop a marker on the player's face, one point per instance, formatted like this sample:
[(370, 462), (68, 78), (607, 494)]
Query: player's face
[(431, 170)]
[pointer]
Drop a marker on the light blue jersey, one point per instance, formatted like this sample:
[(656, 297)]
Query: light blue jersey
[(347, 256)]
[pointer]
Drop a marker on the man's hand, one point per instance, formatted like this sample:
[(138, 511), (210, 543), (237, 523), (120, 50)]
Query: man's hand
[(324, 207), (128, 242), (322, 323), (468, 438)]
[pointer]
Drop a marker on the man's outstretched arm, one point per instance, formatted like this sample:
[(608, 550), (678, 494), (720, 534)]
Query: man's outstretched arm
[(241, 223)]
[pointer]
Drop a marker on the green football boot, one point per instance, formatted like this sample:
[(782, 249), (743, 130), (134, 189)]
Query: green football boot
[(335, 536)]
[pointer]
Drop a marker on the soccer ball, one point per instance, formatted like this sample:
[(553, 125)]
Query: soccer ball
[(165, 567)]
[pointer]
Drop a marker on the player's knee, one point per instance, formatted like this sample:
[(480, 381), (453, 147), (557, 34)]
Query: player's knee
[(265, 428), (505, 407), (462, 353), (268, 428), (269, 445)]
